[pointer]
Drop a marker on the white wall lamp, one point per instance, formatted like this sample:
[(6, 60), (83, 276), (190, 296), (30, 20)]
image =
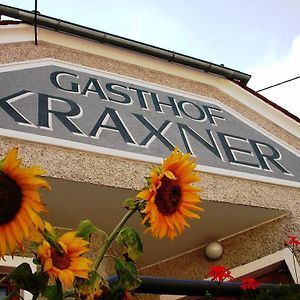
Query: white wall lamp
[(214, 250)]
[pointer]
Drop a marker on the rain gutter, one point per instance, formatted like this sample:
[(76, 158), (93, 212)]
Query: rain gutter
[(103, 37)]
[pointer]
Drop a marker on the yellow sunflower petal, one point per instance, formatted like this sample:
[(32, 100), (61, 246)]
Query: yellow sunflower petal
[(179, 219), (66, 277), (145, 194), (33, 182), (163, 228), (63, 246), (11, 242), (81, 273), (171, 234), (47, 265), (191, 189), (36, 236), (80, 263), (69, 263), (36, 206), (34, 217), (49, 227), (2, 243), (171, 196), (170, 175), (192, 206), (188, 213), (24, 216), (169, 222), (190, 197), (78, 252), (68, 237), (17, 231), (146, 218), (11, 162), (23, 225)]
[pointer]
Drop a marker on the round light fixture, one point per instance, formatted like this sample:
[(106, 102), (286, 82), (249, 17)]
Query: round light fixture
[(214, 250)]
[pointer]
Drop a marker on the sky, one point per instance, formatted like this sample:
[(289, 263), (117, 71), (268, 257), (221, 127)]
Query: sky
[(258, 37)]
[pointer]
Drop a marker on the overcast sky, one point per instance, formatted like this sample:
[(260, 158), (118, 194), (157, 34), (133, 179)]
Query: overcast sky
[(258, 37)]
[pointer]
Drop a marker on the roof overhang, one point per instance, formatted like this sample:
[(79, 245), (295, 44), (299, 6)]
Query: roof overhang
[(69, 202), (114, 40)]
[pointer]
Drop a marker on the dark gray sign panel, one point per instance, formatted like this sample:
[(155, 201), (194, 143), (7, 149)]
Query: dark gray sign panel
[(58, 103)]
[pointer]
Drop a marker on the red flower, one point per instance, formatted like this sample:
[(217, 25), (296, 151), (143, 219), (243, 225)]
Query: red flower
[(293, 241), (219, 274), (249, 283)]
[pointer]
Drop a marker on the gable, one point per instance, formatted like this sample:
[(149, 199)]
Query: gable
[(68, 105)]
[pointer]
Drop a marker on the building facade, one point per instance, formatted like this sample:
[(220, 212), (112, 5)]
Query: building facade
[(97, 111)]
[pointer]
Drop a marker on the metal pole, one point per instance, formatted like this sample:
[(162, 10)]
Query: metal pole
[(35, 23)]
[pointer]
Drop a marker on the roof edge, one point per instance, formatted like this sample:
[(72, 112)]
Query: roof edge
[(104, 37), (271, 103)]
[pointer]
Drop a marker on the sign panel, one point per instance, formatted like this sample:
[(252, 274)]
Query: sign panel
[(55, 102)]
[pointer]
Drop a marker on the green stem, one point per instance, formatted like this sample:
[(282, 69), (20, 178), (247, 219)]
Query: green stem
[(103, 232), (112, 237), (4, 278), (217, 290), (110, 255), (294, 262)]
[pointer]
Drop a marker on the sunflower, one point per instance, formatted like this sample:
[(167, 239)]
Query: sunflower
[(170, 197), (20, 202), (67, 263)]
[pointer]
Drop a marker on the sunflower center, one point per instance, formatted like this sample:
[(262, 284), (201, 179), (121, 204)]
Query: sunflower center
[(60, 260), (10, 198), (168, 196)]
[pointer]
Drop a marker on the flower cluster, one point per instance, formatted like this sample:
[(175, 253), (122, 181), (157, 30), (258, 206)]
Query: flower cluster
[(170, 196), (219, 274), (20, 202), (63, 268), (65, 262), (168, 199), (249, 283), (293, 241)]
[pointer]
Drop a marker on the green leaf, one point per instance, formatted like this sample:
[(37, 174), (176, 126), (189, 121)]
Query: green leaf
[(127, 275), (95, 286), (69, 294), (24, 279), (130, 203), (54, 292), (85, 229), (52, 241), (40, 281), (149, 181), (21, 273), (131, 243), (147, 224), (142, 205)]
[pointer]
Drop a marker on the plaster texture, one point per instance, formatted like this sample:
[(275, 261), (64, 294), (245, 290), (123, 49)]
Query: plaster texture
[(238, 250)]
